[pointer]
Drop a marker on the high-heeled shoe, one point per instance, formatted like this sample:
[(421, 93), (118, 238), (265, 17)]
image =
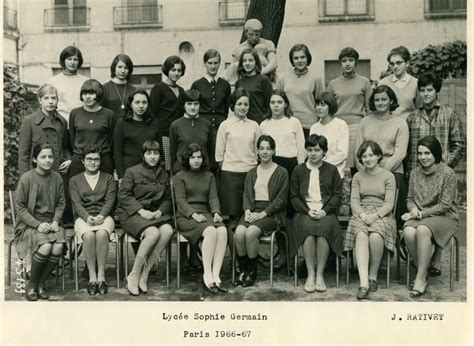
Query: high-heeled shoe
[(212, 288), (221, 287)]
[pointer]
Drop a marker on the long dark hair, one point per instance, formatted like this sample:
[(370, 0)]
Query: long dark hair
[(128, 113), (258, 63)]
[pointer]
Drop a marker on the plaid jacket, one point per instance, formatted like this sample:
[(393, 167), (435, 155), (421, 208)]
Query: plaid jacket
[(445, 126)]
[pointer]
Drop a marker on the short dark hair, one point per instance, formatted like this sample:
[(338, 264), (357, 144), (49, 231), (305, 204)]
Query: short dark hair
[(430, 78), (328, 99), (348, 52), (376, 149), (170, 62), (266, 138), (68, 52), (390, 93), (188, 152), (191, 95), (258, 63), (92, 86), (128, 112), (37, 150), (316, 140), (303, 48), (402, 51), (90, 149), (126, 60), (236, 95), (282, 94), (432, 143), (152, 145), (211, 53)]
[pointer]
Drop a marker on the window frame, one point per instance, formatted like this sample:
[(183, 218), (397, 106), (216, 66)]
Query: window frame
[(331, 18), (444, 14)]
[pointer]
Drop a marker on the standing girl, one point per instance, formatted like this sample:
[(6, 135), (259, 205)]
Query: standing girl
[(40, 205), (199, 214), (118, 89), (258, 85), (135, 127), (91, 124), (302, 86), (93, 196), (144, 205)]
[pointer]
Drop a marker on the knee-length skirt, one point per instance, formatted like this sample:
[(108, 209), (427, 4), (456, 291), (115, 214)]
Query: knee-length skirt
[(31, 239), (267, 225), (134, 225), (328, 227), (442, 227), (231, 189), (385, 226), (81, 227), (193, 230)]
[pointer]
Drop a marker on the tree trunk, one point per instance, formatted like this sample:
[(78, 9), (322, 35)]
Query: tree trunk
[(271, 13)]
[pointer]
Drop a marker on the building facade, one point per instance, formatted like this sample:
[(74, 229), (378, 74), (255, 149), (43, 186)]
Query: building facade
[(151, 30)]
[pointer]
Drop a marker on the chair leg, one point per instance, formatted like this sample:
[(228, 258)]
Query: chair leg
[(457, 258), (117, 260), (451, 265), (126, 254), (178, 260), (271, 258), (76, 260), (337, 270), (347, 267), (296, 269), (63, 283), (168, 260), (233, 260), (388, 268), (71, 240), (398, 266), (9, 273)]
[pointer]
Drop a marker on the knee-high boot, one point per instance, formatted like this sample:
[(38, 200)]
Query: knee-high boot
[(134, 276), (152, 259)]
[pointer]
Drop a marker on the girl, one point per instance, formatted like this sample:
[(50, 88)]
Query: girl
[(118, 90), (144, 204), (199, 214), (167, 99), (68, 82), (402, 83), (302, 86), (214, 91), (316, 191), (264, 202), (333, 129), (190, 128), (93, 196), (352, 93), (258, 85), (432, 218), (40, 205), (137, 126), (94, 124), (391, 133), (371, 227), (45, 125)]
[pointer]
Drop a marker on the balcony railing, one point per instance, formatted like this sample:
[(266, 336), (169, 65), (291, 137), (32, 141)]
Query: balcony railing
[(138, 16), (10, 20), (233, 12), (66, 16)]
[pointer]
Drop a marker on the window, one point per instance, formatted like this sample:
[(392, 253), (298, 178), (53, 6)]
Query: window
[(445, 8), (346, 10), (10, 17), (332, 69), (138, 13), (145, 77), (67, 13), (233, 12)]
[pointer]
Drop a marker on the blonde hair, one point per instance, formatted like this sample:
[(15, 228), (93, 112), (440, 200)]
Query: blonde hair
[(45, 89)]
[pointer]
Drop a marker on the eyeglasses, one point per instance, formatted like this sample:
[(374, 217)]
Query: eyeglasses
[(398, 63), (91, 160)]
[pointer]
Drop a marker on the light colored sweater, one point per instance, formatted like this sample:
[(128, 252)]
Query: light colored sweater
[(407, 94)]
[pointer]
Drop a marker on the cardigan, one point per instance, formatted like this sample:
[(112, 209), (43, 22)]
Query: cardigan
[(36, 128), (129, 136), (86, 201), (116, 95), (433, 193), (278, 186), (330, 184), (144, 187), (166, 106), (87, 128), (260, 89), (213, 100), (195, 187)]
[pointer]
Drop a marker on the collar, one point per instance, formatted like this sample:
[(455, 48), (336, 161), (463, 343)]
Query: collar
[(188, 117), (299, 74), (39, 116), (236, 119), (209, 78), (437, 104), (404, 79)]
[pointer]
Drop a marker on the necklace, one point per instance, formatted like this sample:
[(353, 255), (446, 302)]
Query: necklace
[(122, 98)]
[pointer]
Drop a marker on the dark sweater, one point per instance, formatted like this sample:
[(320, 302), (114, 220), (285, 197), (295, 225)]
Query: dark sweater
[(185, 131), (260, 89), (87, 202), (166, 106), (100, 132), (195, 187), (129, 136), (112, 100), (213, 100), (330, 184)]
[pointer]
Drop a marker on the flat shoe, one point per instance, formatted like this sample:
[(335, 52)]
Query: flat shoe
[(221, 288), (103, 288), (212, 288), (320, 288), (249, 279), (373, 286), (363, 293), (239, 280), (32, 295), (43, 293), (433, 271), (309, 287), (92, 288)]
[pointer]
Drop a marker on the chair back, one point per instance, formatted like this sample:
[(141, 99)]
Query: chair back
[(173, 202), (394, 210), (11, 197)]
